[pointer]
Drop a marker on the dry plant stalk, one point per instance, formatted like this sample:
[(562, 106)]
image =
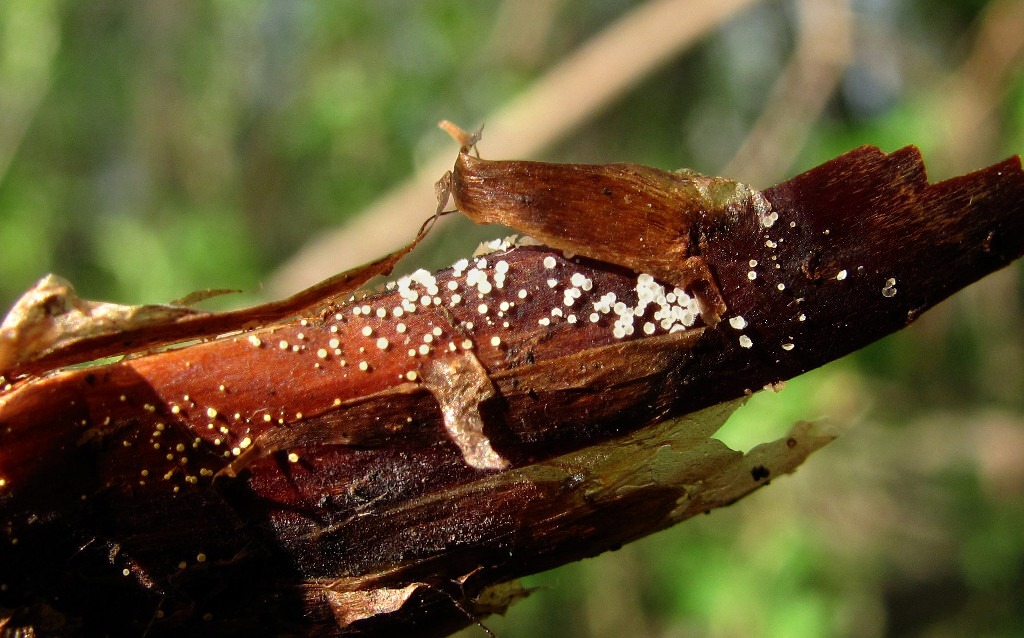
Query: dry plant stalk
[(333, 465)]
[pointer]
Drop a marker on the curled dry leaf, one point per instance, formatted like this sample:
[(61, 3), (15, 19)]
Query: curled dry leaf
[(325, 466)]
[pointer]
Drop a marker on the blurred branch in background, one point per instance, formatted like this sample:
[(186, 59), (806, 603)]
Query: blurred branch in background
[(28, 50), (967, 102), (800, 95), (522, 29), (581, 85)]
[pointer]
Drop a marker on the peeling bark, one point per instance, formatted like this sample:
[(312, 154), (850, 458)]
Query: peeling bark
[(460, 385)]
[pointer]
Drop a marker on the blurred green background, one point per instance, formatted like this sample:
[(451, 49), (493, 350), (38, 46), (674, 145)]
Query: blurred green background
[(152, 149)]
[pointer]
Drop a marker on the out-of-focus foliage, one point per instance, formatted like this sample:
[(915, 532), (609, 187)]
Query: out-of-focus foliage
[(151, 149)]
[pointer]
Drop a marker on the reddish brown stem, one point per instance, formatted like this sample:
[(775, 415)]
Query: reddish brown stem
[(316, 477)]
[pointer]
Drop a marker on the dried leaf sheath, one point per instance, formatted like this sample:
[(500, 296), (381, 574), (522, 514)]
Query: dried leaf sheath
[(355, 511), (643, 218)]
